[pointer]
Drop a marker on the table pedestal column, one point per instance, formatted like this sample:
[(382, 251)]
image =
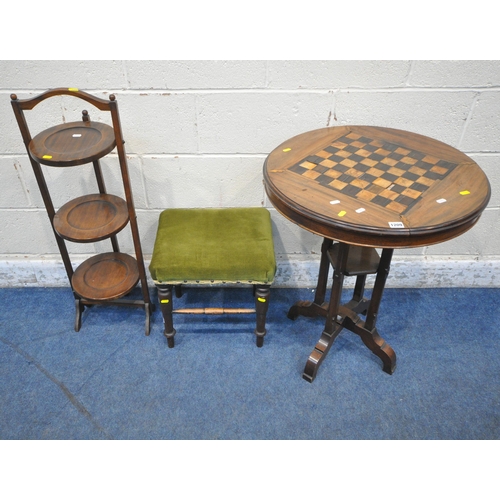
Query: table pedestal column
[(347, 316)]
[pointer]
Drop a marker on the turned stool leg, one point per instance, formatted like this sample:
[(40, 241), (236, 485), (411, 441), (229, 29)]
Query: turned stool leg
[(262, 294), (166, 306)]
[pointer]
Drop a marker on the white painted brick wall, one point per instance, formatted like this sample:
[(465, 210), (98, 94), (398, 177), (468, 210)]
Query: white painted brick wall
[(197, 134)]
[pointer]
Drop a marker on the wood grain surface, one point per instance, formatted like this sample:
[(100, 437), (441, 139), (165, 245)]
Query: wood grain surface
[(91, 218), (71, 144), (375, 186)]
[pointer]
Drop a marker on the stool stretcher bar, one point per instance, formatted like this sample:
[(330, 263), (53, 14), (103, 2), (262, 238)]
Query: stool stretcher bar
[(213, 310)]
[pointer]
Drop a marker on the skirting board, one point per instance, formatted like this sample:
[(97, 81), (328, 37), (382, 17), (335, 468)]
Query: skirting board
[(407, 272)]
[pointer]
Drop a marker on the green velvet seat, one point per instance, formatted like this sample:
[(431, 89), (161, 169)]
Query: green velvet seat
[(213, 246)]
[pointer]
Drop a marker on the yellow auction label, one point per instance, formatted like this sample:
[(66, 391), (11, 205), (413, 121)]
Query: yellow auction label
[(463, 193), (286, 150), (342, 213), (164, 301), (260, 299), (47, 157), (73, 89)]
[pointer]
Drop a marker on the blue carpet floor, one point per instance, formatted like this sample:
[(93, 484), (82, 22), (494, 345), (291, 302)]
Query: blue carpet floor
[(110, 381)]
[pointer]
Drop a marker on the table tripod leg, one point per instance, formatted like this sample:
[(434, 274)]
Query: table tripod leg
[(359, 288), (380, 348), (318, 306), (358, 304), (332, 327), (369, 334)]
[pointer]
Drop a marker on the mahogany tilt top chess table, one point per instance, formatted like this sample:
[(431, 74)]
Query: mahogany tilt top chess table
[(365, 188)]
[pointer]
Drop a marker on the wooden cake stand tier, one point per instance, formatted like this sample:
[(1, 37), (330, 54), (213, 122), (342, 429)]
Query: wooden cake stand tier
[(71, 144), (91, 218), (106, 276)]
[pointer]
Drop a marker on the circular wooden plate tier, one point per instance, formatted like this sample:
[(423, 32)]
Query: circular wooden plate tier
[(375, 186), (91, 218), (106, 276), (71, 144)]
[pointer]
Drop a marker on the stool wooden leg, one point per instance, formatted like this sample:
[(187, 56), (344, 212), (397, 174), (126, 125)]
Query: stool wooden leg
[(166, 306), (262, 294)]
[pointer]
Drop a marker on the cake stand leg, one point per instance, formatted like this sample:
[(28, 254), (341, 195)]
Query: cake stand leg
[(147, 310), (78, 317)]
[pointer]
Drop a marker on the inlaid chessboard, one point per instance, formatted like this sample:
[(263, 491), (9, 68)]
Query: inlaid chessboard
[(374, 171)]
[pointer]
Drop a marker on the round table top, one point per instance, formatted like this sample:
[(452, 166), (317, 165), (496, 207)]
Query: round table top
[(375, 186)]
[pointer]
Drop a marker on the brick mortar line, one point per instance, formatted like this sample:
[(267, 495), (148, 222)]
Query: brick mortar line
[(148, 210), (296, 257), (9, 156), (166, 91)]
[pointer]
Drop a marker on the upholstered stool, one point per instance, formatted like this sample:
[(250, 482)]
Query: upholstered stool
[(213, 246)]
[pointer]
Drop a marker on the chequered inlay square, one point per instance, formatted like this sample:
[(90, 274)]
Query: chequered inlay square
[(372, 170)]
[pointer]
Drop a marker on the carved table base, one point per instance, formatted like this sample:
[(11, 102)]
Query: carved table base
[(340, 316)]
